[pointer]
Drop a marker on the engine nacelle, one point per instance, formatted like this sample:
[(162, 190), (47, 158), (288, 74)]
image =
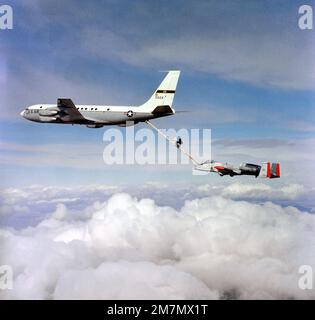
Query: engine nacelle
[(250, 169), (47, 119), (94, 126), (48, 112)]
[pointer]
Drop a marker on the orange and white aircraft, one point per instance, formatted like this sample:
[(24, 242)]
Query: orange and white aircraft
[(266, 170)]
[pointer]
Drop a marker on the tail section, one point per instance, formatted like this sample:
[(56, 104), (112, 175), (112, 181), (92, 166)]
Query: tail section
[(162, 99), (270, 170)]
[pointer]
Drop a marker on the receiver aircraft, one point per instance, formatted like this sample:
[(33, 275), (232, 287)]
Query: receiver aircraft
[(266, 170)]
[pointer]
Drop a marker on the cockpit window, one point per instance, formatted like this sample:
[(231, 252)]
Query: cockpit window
[(208, 161)]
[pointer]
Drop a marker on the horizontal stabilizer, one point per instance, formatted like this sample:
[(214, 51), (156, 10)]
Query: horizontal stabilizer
[(162, 110)]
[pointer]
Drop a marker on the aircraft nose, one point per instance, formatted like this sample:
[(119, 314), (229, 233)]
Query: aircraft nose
[(23, 113)]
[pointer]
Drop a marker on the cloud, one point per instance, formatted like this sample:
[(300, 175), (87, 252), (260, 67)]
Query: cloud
[(212, 247), (56, 84), (258, 44), (258, 191), (70, 155), (141, 280), (263, 58), (296, 156), (23, 204), (61, 212), (304, 126), (38, 198)]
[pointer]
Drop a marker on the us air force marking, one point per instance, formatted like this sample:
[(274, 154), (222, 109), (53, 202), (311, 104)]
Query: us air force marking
[(130, 113)]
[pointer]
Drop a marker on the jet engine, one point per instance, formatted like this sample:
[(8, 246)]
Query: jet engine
[(47, 119), (48, 112), (250, 169), (94, 126)]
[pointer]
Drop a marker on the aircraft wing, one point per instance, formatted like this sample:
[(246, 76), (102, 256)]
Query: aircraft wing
[(69, 112)]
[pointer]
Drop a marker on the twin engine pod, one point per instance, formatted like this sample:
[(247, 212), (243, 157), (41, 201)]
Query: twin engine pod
[(94, 126), (48, 115), (47, 119), (48, 112)]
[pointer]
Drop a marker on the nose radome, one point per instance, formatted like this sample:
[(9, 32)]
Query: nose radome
[(22, 113)]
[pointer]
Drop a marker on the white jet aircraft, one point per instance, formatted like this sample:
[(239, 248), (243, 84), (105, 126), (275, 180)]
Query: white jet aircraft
[(96, 116)]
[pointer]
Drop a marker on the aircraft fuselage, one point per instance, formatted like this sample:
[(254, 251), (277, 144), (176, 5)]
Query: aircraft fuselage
[(93, 114)]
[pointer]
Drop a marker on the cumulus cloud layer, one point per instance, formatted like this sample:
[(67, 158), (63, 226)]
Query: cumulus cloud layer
[(123, 248), (22, 207)]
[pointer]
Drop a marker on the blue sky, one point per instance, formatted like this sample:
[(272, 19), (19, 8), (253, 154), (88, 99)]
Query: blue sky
[(247, 73)]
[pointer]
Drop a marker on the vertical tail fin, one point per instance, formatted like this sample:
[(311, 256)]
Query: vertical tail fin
[(164, 94), (270, 170)]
